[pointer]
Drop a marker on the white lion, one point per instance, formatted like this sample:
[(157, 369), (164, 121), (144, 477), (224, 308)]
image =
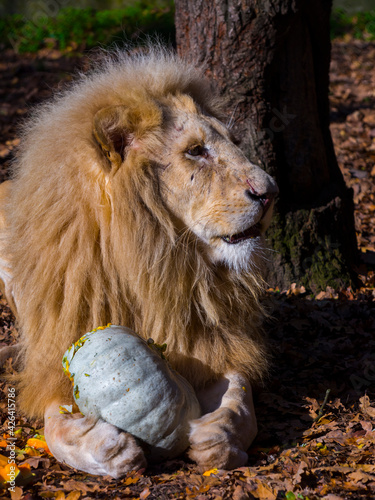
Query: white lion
[(130, 204)]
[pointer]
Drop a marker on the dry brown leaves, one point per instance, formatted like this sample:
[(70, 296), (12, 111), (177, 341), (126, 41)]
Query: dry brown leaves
[(353, 131), (305, 448)]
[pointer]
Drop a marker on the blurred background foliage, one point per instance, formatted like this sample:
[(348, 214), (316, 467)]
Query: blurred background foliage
[(73, 26), (74, 29), (353, 19)]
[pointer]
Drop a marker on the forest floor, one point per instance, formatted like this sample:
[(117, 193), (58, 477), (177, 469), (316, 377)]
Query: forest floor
[(322, 345)]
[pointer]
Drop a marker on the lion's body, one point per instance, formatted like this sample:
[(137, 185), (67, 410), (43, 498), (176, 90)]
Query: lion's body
[(91, 244)]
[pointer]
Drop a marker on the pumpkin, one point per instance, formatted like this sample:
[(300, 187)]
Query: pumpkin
[(126, 381)]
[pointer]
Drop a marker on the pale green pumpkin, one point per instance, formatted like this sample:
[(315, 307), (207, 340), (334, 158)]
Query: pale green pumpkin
[(119, 377)]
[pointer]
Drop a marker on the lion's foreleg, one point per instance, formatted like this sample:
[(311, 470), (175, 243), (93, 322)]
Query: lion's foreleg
[(221, 437), (91, 445)]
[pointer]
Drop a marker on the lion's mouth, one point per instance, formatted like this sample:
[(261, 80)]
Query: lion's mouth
[(251, 232)]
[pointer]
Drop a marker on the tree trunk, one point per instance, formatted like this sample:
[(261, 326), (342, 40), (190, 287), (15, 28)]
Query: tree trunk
[(270, 58)]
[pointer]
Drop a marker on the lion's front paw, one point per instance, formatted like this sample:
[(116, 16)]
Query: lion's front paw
[(116, 452), (92, 446), (216, 442)]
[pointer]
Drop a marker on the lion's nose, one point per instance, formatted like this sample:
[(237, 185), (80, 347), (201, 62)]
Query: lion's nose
[(265, 198)]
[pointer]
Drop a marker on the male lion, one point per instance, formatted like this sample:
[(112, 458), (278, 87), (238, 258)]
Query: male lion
[(130, 204)]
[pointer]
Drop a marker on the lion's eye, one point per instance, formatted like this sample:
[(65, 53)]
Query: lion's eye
[(197, 150)]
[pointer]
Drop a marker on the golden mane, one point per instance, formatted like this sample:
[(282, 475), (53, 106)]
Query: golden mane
[(86, 252)]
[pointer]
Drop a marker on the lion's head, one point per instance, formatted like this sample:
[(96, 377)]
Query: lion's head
[(205, 182), (131, 204)]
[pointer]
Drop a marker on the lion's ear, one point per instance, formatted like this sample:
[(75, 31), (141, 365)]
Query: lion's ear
[(111, 131)]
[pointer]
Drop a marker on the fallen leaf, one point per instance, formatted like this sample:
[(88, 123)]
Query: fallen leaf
[(366, 407), (359, 476), (239, 493), (73, 495), (16, 494), (39, 443), (35, 462), (289, 495), (145, 493), (131, 480), (263, 492), (80, 486), (210, 472), (298, 475), (6, 470)]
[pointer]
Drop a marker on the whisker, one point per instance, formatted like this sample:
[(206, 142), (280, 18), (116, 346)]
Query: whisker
[(231, 119)]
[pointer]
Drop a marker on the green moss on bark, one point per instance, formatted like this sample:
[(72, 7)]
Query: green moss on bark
[(309, 247)]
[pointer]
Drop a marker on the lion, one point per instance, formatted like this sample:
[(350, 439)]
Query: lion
[(130, 204)]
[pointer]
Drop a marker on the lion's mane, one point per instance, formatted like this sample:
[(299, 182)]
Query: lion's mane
[(86, 252)]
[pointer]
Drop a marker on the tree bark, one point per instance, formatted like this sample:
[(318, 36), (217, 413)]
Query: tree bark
[(270, 59)]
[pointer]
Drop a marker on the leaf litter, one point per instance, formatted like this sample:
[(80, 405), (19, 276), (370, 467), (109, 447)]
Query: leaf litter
[(316, 412)]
